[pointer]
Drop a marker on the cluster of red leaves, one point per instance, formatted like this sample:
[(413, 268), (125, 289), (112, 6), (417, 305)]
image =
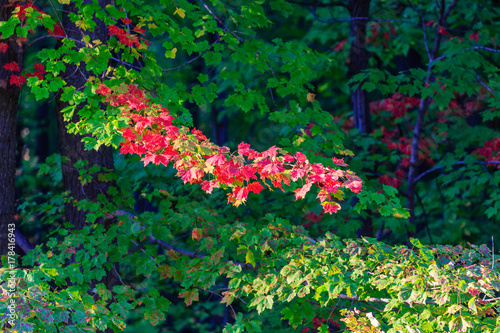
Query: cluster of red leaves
[(397, 104), (19, 80), (126, 37), (313, 219), (318, 322), (378, 34), (490, 151), (403, 146), (152, 135)]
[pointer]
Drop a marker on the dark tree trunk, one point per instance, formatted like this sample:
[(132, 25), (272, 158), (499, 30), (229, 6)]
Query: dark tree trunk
[(71, 145), (9, 96), (358, 61)]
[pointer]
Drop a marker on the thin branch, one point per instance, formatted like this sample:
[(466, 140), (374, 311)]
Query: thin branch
[(423, 174), (196, 255), (201, 54), (22, 241), (422, 19), (483, 48), (448, 10), (60, 22), (484, 84), (241, 40)]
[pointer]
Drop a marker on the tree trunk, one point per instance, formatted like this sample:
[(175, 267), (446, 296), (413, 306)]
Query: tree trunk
[(358, 61), (9, 96), (72, 147)]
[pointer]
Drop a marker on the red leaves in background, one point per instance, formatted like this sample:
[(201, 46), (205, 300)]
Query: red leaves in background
[(39, 72), (398, 104), (57, 31), (474, 36), (340, 45), (388, 180), (103, 90), (124, 37), (4, 47), (151, 135), (443, 31), (12, 66), (300, 193), (490, 151)]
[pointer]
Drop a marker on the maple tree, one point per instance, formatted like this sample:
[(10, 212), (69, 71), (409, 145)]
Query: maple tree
[(274, 263)]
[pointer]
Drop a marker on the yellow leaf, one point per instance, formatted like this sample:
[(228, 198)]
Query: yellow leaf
[(171, 54), (82, 25), (152, 26), (181, 12), (249, 258), (64, 2)]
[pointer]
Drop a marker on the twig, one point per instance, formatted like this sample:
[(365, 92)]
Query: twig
[(448, 10), (423, 174), (422, 19), (241, 40)]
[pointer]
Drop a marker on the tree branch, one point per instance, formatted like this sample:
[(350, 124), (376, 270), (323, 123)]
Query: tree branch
[(241, 40), (423, 174), (22, 241)]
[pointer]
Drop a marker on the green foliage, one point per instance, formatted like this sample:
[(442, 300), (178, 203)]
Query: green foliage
[(274, 264)]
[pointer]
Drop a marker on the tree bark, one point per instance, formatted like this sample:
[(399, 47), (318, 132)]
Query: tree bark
[(71, 145), (358, 61), (9, 96)]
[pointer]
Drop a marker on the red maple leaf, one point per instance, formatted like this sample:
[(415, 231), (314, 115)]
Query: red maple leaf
[(300, 193), (56, 31), (139, 30), (297, 173), (247, 172), (443, 31), (192, 176), (3, 47), (126, 20), (17, 80), (301, 157), (40, 68), (340, 45), (255, 187), (244, 150), (208, 186), (216, 160), (474, 36), (330, 207), (339, 161), (103, 89), (196, 234), (12, 66), (388, 180)]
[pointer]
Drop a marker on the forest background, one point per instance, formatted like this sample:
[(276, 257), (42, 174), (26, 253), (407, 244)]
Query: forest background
[(343, 173)]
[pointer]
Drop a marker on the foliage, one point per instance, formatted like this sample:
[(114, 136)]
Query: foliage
[(268, 259)]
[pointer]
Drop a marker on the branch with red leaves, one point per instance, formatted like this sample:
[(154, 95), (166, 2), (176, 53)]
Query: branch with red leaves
[(152, 135)]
